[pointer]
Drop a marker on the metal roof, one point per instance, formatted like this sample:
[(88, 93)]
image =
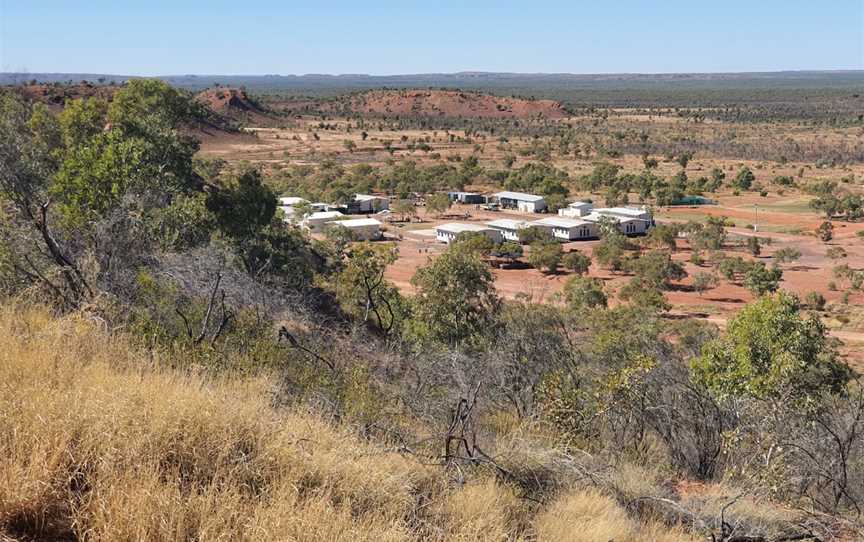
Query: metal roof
[(560, 222), (321, 215), (291, 200), (459, 227), (507, 224), (368, 197), (520, 196), (634, 212), (357, 222)]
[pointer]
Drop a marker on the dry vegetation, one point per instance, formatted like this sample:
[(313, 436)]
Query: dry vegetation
[(101, 443)]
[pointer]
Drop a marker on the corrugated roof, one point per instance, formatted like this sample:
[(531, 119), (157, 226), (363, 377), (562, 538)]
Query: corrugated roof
[(560, 222), (459, 227), (520, 196), (625, 211), (291, 200), (357, 222), (507, 224), (367, 197), (321, 215)]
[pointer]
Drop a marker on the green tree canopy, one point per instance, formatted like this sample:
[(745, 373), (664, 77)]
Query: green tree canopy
[(770, 350), (455, 301)]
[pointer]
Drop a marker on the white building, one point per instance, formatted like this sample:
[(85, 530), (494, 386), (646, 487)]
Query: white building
[(568, 229), (317, 221), (638, 223), (366, 203), (286, 205), (364, 229), (508, 227), (527, 203), (576, 209), (641, 213), (447, 233)]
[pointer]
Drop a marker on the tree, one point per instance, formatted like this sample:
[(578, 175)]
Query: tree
[(753, 246), (703, 281), (576, 262), (582, 293), (405, 208), (744, 179), (349, 145), (656, 269), (508, 250), (613, 244), (545, 255), (825, 231), (786, 255), (771, 351), (244, 206), (532, 234), (663, 236), (473, 243), (362, 290), (684, 159), (438, 203), (761, 279), (455, 302)]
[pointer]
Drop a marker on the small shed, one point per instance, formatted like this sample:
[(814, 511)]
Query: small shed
[(367, 203), (472, 198), (576, 209)]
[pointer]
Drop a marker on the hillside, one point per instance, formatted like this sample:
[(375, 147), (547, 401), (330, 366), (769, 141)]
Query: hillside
[(235, 104), (95, 446), (222, 112), (448, 103)]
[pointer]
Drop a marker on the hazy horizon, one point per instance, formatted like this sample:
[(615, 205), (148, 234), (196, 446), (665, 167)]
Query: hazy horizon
[(387, 38)]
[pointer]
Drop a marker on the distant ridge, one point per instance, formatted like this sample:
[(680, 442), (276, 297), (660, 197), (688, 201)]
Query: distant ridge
[(483, 80)]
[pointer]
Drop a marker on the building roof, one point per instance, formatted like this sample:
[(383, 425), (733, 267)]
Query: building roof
[(520, 196), (595, 217), (459, 227), (560, 222), (291, 200), (580, 204), (368, 197), (357, 222), (507, 224), (635, 212), (323, 215)]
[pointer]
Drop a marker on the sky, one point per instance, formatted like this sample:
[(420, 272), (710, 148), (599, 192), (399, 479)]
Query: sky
[(175, 37)]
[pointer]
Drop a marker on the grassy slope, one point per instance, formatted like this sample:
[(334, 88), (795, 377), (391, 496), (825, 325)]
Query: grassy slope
[(96, 442)]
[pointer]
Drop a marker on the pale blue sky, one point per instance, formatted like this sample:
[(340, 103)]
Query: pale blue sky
[(160, 37)]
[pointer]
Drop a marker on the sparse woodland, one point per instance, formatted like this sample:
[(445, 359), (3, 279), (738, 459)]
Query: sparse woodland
[(177, 362)]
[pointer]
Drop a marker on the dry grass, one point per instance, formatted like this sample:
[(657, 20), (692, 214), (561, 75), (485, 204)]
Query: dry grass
[(98, 443), (588, 516)]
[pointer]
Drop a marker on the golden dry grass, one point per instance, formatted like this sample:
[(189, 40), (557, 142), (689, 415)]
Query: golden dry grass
[(98, 443)]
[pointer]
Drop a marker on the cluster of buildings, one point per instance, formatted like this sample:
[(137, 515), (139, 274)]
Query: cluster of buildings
[(324, 215), (578, 221), (520, 201)]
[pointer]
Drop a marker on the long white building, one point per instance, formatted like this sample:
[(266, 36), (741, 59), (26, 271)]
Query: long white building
[(568, 229), (447, 233), (508, 227), (527, 203), (364, 229)]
